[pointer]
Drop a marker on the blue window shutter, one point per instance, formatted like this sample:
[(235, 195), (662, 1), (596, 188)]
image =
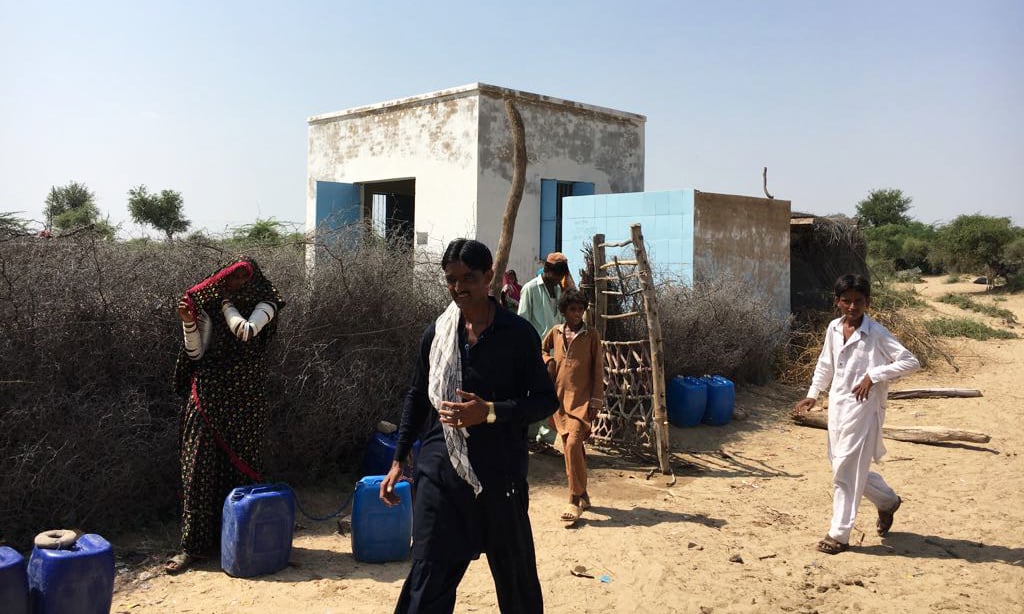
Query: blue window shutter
[(337, 204), (548, 215), (582, 188)]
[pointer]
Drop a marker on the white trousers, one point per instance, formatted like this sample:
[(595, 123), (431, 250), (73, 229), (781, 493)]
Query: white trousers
[(852, 478)]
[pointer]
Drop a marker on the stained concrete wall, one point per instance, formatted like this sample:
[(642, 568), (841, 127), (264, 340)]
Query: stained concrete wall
[(747, 238), (566, 141), (431, 138), (457, 145), (692, 235)]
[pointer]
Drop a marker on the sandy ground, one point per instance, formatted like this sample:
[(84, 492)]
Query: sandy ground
[(736, 533)]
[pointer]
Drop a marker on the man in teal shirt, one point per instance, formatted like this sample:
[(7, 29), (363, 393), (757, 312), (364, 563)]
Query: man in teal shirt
[(538, 305)]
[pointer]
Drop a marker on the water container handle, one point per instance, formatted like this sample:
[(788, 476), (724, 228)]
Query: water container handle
[(371, 480), (275, 487), (238, 494)]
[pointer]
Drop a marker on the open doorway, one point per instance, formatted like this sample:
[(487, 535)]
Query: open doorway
[(552, 191), (390, 209)]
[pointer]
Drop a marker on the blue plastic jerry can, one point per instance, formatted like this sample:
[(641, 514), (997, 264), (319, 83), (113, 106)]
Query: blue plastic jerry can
[(380, 451), (256, 530), (721, 400), (76, 578), (13, 581), (686, 398), (380, 533)]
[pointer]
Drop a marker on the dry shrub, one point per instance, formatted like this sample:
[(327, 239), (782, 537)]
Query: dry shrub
[(719, 327), (711, 327), (888, 307), (88, 340), (346, 353)]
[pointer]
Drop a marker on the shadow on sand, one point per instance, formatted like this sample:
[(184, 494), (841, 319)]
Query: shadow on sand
[(310, 564), (913, 545), (610, 517)]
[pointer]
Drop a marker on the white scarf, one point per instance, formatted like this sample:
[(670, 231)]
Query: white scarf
[(445, 378)]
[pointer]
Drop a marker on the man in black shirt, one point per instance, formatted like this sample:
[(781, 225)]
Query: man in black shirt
[(479, 382)]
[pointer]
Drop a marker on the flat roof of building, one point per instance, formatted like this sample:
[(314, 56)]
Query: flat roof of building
[(471, 90)]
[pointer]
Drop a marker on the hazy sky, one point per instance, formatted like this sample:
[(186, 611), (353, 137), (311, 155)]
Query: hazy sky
[(211, 98)]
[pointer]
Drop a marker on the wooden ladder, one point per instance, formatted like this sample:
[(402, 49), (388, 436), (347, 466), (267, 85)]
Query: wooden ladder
[(634, 369)]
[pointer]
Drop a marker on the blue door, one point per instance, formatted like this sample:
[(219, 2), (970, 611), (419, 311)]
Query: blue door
[(551, 193), (548, 216), (337, 205), (582, 188)]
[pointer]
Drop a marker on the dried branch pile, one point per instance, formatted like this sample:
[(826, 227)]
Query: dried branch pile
[(88, 339)]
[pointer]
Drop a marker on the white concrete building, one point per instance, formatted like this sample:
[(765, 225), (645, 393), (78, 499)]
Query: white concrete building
[(431, 168)]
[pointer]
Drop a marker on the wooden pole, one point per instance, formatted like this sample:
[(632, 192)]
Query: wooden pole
[(600, 287), (515, 194), (659, 412), (934, 393), (914, 434)]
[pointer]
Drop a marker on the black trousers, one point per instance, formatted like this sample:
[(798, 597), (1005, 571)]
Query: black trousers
[(502, 517)]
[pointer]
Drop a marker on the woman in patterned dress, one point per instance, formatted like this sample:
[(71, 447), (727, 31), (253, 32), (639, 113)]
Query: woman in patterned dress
[(227, 320), (510, 291)]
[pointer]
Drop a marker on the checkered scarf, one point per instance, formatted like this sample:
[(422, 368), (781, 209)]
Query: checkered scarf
[(445, 378)]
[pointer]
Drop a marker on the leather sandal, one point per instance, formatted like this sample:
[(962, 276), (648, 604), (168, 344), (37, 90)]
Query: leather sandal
[(885, 518), (179, 563), (570, 515), (830, 545)]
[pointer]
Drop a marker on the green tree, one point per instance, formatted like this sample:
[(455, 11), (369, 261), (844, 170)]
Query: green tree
[(1013, 254), (73, 206), (971, 242), (896, 247), (162, 211), (11, 225), (882, 207), (70, 206), (268, 232), (199, 236)]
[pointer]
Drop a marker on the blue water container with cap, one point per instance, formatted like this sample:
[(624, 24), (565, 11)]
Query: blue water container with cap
[(13, 581), (687, 399), (721, 400), (381, 451), (380, 533), (256, 530), (72, 579)]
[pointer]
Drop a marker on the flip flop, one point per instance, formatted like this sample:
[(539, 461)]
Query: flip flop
[(179, 563), (885, 518), (570, 515), (832, 546)]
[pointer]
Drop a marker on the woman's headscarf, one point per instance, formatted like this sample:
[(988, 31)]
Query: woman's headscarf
[(510, 286), (225, 347)]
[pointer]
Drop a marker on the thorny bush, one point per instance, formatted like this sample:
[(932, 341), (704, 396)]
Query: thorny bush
[(719, 327), (712, 327), (891, 307), (88, 340)]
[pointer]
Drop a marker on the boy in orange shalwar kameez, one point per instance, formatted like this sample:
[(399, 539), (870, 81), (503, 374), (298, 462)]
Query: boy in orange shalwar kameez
[(575, 360)]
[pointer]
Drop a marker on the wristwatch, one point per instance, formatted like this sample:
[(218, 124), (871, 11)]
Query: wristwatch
[(491, 416)]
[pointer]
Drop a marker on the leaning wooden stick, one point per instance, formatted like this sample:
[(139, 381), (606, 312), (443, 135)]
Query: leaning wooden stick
[(914, 434)]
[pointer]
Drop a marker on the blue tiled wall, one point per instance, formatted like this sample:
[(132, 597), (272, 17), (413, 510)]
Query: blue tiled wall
[(666, 219)]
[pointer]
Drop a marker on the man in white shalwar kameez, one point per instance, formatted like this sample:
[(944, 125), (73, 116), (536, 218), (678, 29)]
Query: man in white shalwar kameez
[(858, 360)]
